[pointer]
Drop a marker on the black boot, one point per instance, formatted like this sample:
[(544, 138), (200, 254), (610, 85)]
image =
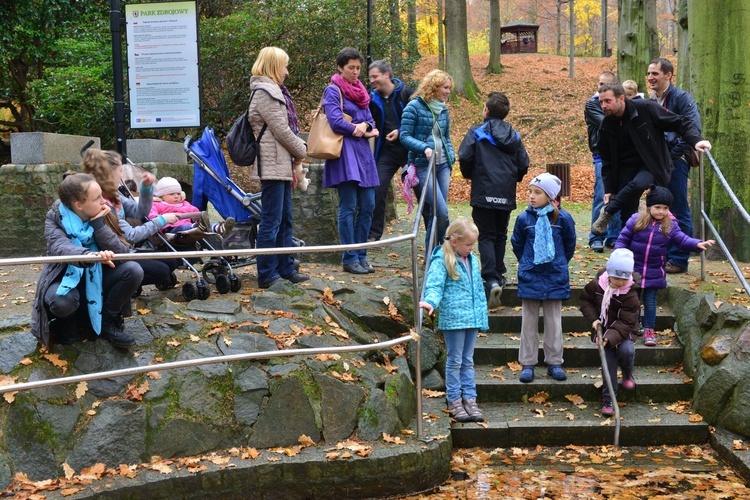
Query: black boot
[(115, 334)]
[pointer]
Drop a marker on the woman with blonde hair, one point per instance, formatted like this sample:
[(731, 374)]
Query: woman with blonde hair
[(353, 174), (272, 113), (425, 131)]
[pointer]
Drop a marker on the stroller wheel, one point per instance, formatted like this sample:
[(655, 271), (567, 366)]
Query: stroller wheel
[(167, 286), (235, 283), (222, 283), (204, 291), (190, 291), (212, 270)]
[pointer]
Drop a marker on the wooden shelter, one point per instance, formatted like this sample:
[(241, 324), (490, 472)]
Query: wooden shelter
[(519, 37)]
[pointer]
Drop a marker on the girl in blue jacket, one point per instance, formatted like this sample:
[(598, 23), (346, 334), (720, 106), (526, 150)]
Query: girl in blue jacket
[(454, 285), (648, 235), (544, 239)]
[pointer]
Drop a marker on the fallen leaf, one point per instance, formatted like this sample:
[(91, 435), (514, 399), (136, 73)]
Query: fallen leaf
[(539, 398), (81, 389), (305, 440)]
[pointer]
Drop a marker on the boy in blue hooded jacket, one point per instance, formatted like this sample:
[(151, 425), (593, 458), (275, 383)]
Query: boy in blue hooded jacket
[(493, 157)]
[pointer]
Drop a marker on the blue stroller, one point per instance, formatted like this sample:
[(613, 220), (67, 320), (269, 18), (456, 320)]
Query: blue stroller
[(211, 182)]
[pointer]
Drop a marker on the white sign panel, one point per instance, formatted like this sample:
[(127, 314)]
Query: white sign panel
[(163, 64)]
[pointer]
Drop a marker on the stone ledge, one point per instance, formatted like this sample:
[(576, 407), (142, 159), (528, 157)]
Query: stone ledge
[(739, 460), (44, 147)]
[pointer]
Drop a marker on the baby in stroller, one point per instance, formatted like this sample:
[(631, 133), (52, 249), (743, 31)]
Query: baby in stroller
[(171, 201)]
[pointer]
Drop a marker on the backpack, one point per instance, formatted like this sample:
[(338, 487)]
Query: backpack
[(242, 144)]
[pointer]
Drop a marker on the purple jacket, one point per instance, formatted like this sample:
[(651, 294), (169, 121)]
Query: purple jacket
[(356, 162), (649, 248)]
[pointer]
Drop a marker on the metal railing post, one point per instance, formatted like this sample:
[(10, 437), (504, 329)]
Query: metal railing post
[(702, 193)]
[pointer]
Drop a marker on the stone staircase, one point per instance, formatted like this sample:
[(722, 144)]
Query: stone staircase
[(539, 413)]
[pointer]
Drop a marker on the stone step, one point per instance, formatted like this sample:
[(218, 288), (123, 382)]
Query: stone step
[(502, 348), (507, 319), (653, 383), (509, 296), (520, 424)]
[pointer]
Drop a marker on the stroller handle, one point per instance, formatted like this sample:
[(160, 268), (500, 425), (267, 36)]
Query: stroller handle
[(186, 143)]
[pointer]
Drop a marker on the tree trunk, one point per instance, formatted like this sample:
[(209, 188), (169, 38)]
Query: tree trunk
[(720, 67), (572, 69), (457, 44), (683, 51), (495, 38), (441, 35), (637, 38), (558, 47), (395, 20), (411, 30)]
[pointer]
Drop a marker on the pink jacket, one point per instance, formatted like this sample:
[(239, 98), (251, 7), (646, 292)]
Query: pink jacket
[(160, 207)]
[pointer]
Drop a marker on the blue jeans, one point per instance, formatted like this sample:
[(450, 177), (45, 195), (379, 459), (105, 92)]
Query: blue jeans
[(681, 210), (649, 306), (275, 230), (443, 183), (624, 355), (459, 364), (356, 205), (615, 225)]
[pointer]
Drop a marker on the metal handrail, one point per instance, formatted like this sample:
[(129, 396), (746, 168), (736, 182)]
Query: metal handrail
[(706, 220), (416, 295)]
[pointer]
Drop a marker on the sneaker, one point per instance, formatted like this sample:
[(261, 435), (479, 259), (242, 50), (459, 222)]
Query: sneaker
[(502, 281), (267, 284), (470, 405), (297, 278), (366, 266), (355, 268), (458, 412), (649, 337), (556, 372), (527, 374), (607, 409), (597, 246), (599, 227), (628, 382), (672, 269), (495, 295), (224, 228), (204, 222)]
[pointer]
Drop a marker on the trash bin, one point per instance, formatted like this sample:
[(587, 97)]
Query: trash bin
[(562, 172)]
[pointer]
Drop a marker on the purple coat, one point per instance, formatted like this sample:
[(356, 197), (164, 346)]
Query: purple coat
[(356, 162), (649, 247)]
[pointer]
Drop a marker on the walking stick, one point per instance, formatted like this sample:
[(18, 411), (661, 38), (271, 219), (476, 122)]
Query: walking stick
[(608, 380)]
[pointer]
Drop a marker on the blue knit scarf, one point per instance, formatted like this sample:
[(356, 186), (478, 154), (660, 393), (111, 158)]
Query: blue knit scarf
[(82, 235), (544, 245)]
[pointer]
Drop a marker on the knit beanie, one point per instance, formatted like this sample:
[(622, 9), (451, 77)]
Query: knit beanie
[(659, 195), (547, 183), (167, 185), (620, 263)]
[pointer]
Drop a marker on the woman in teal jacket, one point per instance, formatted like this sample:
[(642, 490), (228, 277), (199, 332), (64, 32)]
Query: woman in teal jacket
[(454, 285), (425, 131)]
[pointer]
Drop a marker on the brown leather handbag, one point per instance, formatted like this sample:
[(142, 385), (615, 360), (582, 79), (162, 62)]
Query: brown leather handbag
[(322, 142)]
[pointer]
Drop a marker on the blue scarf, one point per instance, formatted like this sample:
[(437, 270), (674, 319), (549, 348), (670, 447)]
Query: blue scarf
[(544, 245), (82, 235)]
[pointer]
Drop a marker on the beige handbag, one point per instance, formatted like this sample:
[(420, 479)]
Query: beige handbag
[(322, 142)]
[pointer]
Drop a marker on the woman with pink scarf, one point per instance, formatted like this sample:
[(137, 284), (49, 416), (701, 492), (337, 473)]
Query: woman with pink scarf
[(353, 174)]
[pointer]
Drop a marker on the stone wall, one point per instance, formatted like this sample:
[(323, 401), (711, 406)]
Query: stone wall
[(716, 337)]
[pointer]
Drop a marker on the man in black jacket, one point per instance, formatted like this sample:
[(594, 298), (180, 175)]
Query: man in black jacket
[(594, 115), (493, 157), (634, 151), (388, 98)]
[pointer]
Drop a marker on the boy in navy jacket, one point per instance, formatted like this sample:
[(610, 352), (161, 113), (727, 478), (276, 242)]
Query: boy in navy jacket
[(493, 157)]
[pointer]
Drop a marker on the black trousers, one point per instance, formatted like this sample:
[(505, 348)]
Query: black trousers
[(632, 183), (493, 235), (386, 170)]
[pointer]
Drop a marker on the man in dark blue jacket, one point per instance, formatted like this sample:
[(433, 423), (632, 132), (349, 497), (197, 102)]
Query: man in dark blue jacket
[(493, 157), (678, 101), (634, 150), (388, 97)]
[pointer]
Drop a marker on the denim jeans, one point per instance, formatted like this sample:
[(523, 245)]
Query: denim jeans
[(275, 230), (624, 355), (681, 210), (615, 226), (356, 205), (459, 364), (648, 295), (443, 183)]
